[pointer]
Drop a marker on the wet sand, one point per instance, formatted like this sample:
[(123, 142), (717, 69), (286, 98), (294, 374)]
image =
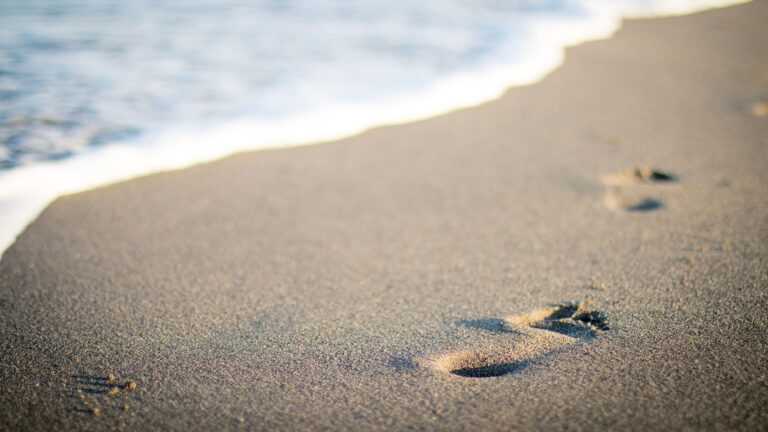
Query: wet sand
[(587, 252)]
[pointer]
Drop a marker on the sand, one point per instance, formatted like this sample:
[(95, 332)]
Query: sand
[(513, 266)]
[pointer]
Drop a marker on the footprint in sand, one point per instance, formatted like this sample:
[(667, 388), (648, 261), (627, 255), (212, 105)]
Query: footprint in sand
[(544, 331), (99, 393), (634, 190)]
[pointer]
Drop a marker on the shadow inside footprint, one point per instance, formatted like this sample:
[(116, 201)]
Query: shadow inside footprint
[(652, 175), (571, 319), (479, 363), (648, 204), (93, 384), (489, 371), (644, 173)]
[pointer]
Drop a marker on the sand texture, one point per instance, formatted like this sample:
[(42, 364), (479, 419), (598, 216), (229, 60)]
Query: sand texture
[(589, 252)]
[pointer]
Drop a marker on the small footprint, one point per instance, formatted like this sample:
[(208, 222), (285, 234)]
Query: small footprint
[(639, 174), (633, 190), (97, 394), (631, 204), (543, 330)]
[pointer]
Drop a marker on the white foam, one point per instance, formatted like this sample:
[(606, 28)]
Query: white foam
[(27, 190)]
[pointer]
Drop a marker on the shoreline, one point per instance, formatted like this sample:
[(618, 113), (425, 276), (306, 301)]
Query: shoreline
[(27, 190), (585, 252)]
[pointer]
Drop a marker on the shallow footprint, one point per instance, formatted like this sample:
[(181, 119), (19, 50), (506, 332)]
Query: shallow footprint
[(544, 330), (623, 201), (639, 174), (633, 190), (480, 363)]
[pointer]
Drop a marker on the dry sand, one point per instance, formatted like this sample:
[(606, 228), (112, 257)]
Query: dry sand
[(337, 286)]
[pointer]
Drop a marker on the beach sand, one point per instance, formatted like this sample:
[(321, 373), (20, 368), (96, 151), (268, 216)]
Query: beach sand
[(588, 252)]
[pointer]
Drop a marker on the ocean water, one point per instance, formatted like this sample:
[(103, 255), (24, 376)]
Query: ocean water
[(98, 91)]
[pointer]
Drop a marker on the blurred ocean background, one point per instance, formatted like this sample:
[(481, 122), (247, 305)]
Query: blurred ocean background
[(95, 91)]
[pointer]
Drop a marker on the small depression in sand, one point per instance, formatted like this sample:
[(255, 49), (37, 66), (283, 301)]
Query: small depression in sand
[(544, 331), (642, 205), (478, 364), (634, 190), (640, 174), (632, 204), (577, 320)]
